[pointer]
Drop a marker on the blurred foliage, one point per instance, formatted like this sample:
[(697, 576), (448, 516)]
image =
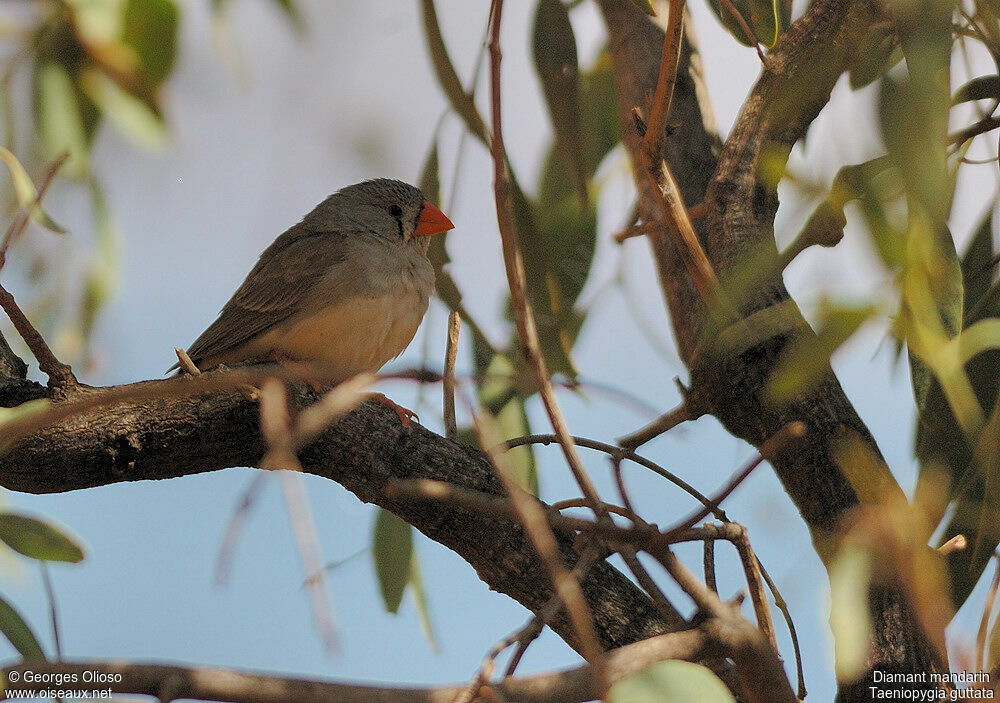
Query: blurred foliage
[(944, 306), (42, 541), (670, 682)]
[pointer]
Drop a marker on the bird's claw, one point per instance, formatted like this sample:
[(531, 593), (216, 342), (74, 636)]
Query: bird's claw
[(405, 415)]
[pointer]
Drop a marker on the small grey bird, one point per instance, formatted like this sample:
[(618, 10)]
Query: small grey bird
[(344, 289)]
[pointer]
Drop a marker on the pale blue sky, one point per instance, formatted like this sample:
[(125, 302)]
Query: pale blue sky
[(258, 139)]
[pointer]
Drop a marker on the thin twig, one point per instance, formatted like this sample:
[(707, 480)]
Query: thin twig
[(60, 375), (448, 385), (307, 543), (20, 222), (745, 26), (50, 594), (524, 319), (675, 215), (613, 451), (767, 451), (234, 528), (664, 423), (955, 544), (533, 518), (708, 561), (667, 79)]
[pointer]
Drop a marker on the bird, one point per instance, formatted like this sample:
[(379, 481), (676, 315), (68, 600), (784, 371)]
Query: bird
[(344, 290)]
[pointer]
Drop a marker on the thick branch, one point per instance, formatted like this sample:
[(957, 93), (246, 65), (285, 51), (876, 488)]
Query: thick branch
[(176, 436), (796, 83)]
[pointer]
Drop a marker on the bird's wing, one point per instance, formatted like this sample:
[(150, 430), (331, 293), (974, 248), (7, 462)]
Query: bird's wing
[(272, 292)]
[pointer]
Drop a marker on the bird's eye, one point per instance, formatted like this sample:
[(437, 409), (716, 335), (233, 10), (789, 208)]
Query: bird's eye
[(396, 211)]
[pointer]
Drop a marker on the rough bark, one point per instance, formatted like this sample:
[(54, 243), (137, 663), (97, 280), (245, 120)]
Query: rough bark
[(794, 86), (176, 436)]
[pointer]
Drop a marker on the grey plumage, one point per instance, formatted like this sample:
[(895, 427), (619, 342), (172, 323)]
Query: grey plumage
[(355, 253)]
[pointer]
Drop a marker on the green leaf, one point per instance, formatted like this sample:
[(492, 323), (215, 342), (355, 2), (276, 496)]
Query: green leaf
[(554, 50), (806, 359), (18, 633), (25, 192), (392, 549), (38, 540), (981, 88), (914, 119), (60, 120), (850, 575), (101, 277), (150, 29), (979, 264), (420, 600), (445, 286), (877, 52), (135, 118), (553, 310), (598, 112), (671, 682), (461, 102), (767, 19)]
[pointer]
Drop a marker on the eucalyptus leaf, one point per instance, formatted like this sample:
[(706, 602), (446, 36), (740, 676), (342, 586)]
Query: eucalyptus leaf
[(461, 102), (60, 120), (554, 49), (420, 600), (766, 18), (134, 117), (149, 28), (670, 682), (979, 264), (877, 53), (392, 550), (25, 192), (980, 88), (18, 633), (37, 539)]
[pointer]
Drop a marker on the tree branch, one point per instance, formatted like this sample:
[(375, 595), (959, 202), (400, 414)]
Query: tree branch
[(794, 86), (216, 684), (177, 435)]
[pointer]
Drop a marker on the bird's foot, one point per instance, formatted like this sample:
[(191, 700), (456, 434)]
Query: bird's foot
[(406, 416)]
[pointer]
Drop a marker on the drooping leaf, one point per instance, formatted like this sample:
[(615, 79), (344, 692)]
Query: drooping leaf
[(979, 264), (392, 550), (981, 88), (135, 118), (37, 539), (766, 19), (877, 52), (850, 575), (149, 28), (807, 358), (914, 119), (59, 117), (598, 112), (420, 600), (552, 310), (461, 102), (554, 50), (25, 192), (18, 633), (671, 682), (100, 278), (445, 286)]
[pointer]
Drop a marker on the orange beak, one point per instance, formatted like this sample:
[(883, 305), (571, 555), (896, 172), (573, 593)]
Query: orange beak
[(431, 221)]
